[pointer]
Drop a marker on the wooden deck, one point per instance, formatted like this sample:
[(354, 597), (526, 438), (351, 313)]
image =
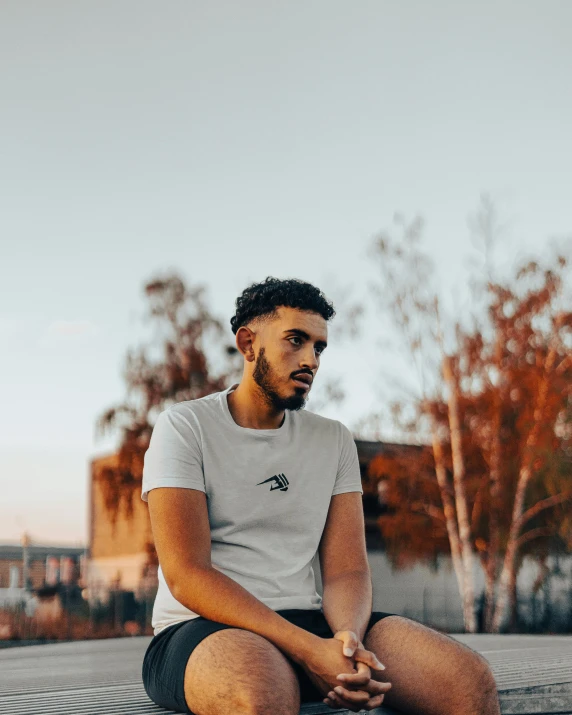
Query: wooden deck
[(533, 674)]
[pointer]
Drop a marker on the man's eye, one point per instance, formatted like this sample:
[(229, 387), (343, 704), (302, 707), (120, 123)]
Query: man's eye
[(320, 349)]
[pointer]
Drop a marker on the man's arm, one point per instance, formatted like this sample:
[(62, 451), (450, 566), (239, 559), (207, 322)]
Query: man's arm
[(346, 577), (181, 531)]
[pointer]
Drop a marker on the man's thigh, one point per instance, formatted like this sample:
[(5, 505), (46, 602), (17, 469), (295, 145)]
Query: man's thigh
[(430, 672), (235, 670)]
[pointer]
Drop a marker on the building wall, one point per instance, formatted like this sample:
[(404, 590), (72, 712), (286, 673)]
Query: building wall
[(121, 572), (118, 551), (128, 536), (432, 597)]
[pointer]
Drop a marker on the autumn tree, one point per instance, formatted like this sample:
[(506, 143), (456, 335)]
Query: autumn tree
[(494, 407), (174, 366)]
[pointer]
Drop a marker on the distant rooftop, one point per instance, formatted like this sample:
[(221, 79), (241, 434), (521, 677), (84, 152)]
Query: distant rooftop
[(368, 449), (14, 550)]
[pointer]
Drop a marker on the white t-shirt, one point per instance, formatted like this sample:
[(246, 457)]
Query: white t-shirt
[(268, 494)]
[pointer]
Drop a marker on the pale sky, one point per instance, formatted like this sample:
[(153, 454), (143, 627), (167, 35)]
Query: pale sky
[(234, 141)]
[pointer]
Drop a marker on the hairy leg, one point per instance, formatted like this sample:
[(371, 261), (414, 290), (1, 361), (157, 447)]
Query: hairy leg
[(431, 673), (235, 671)]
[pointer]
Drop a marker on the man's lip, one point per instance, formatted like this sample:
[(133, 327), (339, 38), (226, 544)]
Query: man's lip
[(303, 378)]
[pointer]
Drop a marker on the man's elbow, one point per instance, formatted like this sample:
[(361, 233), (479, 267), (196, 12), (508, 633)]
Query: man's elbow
[(187, 585)]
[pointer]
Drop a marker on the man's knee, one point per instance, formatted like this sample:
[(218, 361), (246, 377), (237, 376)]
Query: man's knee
[(476, 690), (274, 697), (486, 690), (235, 670)]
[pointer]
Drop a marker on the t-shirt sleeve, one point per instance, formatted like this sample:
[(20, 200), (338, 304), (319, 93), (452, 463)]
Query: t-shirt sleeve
[(348, 478), (174, 457)]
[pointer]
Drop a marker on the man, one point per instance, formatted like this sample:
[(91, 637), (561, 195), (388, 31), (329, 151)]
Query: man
[(244, 488)]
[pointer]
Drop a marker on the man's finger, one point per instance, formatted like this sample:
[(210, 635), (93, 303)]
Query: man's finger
[(376, 691), (353, 697), (374, 687), (366, 656), (355, 679), (374, 702), (337, 700), (362, 676), (379, 687), (351, 642)]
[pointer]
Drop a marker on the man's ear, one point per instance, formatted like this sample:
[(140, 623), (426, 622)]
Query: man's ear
[(244, 342)]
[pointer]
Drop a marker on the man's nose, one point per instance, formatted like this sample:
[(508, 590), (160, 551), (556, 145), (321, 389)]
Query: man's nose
[(310, 361)]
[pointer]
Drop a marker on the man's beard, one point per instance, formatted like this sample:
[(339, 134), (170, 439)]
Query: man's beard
[(263, 376)]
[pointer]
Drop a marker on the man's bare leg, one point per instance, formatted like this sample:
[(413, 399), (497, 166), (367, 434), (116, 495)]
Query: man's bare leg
[(431, 673), (235, 671)]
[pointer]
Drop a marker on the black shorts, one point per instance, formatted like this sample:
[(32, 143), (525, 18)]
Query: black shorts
[(167, 654)]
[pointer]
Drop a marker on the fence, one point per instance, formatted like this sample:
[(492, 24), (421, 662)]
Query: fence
[(66, 615)]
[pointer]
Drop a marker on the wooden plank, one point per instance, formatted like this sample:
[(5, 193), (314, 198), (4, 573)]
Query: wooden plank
[(533, 674), (519, 661)]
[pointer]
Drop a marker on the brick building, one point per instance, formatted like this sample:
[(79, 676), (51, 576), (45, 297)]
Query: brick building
[(47, 565)]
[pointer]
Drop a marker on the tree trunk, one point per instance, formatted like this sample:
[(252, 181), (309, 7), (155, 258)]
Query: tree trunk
[(489, 594), (448, 509), (468, 594), (494, 491), (513, 605)]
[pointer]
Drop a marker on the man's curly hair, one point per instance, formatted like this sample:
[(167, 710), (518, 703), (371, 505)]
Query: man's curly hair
[(260, 300)]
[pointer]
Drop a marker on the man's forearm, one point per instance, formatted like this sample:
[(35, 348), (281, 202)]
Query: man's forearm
[(217, 597), (347, 602)]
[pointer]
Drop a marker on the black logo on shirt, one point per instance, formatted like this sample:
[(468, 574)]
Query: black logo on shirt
[(280, 483)]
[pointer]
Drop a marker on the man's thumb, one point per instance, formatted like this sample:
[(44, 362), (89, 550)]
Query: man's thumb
[(350, 645)]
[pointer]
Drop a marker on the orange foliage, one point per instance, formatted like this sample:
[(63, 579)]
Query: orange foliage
[(180, 372), (500, 369)]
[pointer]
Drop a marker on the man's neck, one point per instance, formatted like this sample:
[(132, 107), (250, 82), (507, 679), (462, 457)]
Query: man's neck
[(249, 409)]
